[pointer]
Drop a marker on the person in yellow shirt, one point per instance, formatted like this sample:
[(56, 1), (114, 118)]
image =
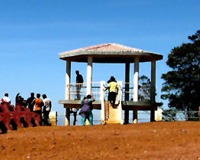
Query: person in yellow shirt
[(113, 90)]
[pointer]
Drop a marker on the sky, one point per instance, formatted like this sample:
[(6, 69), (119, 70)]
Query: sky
[(34, 32)]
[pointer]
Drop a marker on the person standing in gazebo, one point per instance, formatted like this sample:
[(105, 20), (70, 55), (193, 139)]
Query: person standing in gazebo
[(113, 90), (79, 81)]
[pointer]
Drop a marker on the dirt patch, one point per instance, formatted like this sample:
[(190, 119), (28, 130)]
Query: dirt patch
[(158, 140)]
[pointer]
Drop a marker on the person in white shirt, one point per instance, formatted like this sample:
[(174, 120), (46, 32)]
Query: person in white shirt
[(46, 110), (6, 99)]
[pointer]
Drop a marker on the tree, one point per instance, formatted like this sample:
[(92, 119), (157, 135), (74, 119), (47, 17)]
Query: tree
[(182, 83), (144, 88)]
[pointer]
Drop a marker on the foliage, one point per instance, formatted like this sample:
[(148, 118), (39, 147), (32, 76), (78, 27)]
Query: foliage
[(169, 114), (182, 83), (144, 88)]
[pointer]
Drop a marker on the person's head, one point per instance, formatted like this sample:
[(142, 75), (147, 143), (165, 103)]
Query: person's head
[(38, 95), (32, 94), (77, 72), (44, 96), (6, 94), (88, 96), (20, 97), (112, 78)]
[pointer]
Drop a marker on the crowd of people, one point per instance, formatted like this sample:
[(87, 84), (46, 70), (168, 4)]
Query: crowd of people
[(35, 104), (43, 107)]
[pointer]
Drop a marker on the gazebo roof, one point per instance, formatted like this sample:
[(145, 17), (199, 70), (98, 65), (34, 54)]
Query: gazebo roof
[(109, 53)]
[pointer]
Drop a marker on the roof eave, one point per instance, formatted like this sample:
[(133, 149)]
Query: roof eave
[(109, 56)]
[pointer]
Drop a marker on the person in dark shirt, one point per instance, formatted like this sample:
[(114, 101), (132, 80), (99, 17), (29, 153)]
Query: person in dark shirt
[(31, 102), (79, 83)]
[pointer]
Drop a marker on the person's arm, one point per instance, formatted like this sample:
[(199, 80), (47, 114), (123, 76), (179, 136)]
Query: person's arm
[(50, 106), (2, 100), (16, 98), (93, 99), (106, 87), (117, 88)]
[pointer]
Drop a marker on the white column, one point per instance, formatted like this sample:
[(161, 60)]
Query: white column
[(102, 98), (136, 79), (119, 107), (89, 75), (68, 80), (153, 80)]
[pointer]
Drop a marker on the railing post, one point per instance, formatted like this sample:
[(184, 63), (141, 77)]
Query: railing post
[(102, 98)]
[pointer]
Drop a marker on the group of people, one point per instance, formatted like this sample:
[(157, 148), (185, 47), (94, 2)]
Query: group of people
[(86, 103), (36, 105), (44, 106), (112, 86)]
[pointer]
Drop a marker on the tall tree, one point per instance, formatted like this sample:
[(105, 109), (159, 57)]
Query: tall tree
[(144, 88), (182, 83)]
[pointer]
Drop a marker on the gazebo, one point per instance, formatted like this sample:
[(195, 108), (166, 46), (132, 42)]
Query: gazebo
[(128, 96)]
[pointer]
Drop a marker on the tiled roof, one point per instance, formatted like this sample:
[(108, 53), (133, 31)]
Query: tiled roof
[(108, 47), (109, 52)]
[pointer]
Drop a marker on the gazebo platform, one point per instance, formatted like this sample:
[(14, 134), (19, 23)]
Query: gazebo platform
[(126, 106)]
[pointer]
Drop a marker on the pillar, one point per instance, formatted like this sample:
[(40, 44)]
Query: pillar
[(136, 79), (68, 80), (153, 84), (127, 81), (199, 113), (136, 90), (119, 107), (152, 116), (153, 80), (67, 117), (102, 98), (67, 91), (89, 75), (135, 116)]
